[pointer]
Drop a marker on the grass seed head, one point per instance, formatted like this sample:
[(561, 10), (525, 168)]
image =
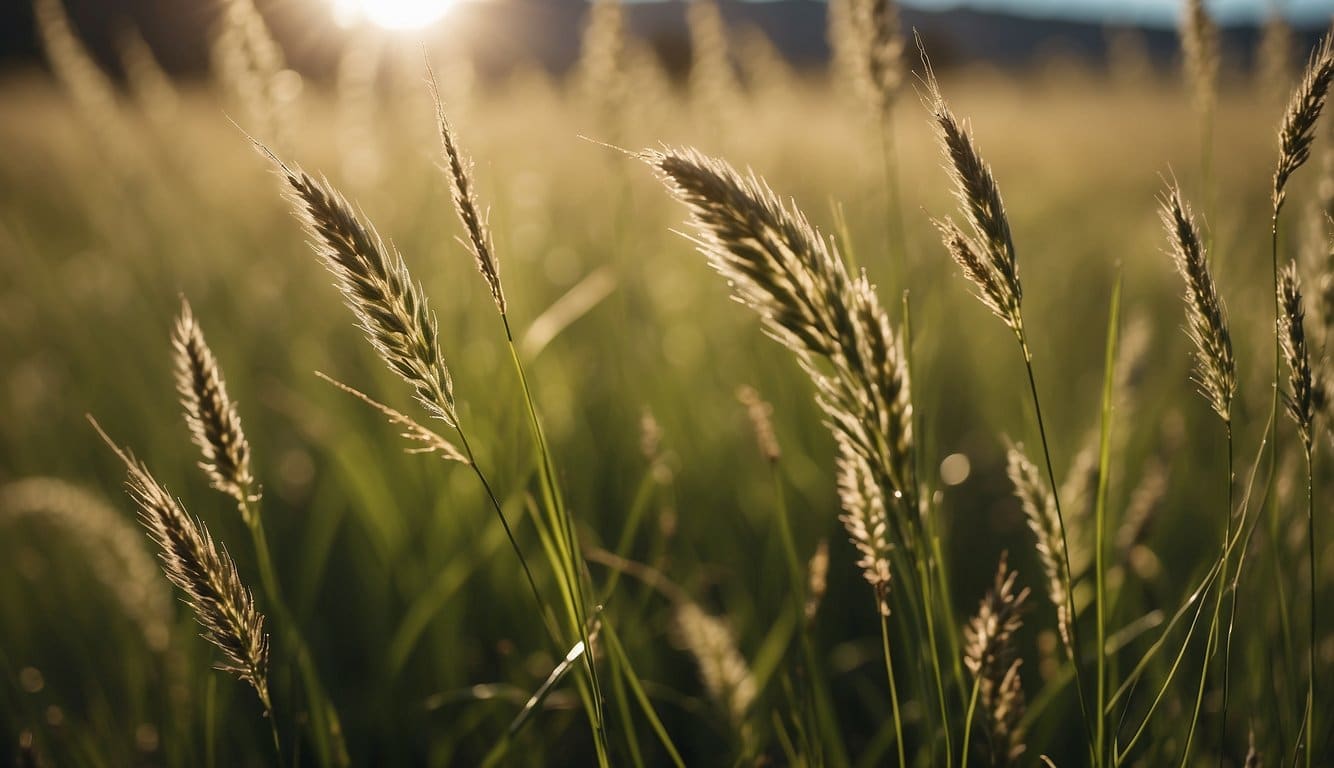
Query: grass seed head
[(1300, 397), (1300, 119), (1206, 319), (465, 202), (1040, 511), (1200, 54), (992, 658), (389, 306), (879, 49), (205, 574), (986, 253), (210, 414)]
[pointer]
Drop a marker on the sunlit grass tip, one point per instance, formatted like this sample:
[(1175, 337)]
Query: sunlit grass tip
[(389, 306), (205, 574), (210, 414), (1301, 116), (1206, 318), (465, 200)]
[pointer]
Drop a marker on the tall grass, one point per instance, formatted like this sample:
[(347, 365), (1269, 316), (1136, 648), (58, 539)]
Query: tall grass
[(739, 578)]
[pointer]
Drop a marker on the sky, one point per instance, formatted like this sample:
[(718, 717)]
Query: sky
[(1161, 12), (1157, 11)]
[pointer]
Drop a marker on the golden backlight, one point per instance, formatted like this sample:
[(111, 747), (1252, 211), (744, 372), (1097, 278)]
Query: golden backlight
[(391, 14)]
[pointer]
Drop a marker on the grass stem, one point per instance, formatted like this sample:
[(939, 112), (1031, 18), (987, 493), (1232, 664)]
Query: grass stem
[(1065, 544), (893, 688)]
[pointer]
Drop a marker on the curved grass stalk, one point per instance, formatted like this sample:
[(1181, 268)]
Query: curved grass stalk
[(1216, 571), (1100, 521), (1120, 755), (1311, 649), (571, 560), (560, 539), (893, 691), (325, 722), (968, 721), (1210, 645)]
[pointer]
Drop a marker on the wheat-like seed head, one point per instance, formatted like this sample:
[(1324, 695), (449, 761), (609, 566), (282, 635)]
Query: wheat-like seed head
[(768, 73), (389, 306), (1322, 374), (1206, 319), (761, 422), (1199, 44), (817, 580), (601, 71), (1320, 258), (1144, 502), (990, 655), (1325, 187), (1274, 57), (1253, 759), (1300, 118), (465, 202), (1077, 488), (780, 267), (879, 50), (777, 263), (113, 545), (866, 520), (726, 675), (89, 87), (209, 413), (205, 574), (713, 81), (1292, 337), (986, 254), (151, 87), (1040, 510), (842, 35), (993, 289), (251, 66)]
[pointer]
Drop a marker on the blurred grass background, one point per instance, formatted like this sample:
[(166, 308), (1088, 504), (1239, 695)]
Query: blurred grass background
[(400, 577)]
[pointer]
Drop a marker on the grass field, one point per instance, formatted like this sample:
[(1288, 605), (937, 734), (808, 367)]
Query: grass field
[(393, 568)]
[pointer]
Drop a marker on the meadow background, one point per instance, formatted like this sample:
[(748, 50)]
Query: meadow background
[(120, 197)]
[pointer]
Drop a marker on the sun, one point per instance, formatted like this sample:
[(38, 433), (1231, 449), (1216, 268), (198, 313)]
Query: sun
[(391, 14)]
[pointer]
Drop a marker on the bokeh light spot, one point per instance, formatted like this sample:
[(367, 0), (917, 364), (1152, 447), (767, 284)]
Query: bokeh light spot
[(954, 469)]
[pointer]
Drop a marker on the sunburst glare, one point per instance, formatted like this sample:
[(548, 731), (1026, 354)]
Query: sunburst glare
[(391, 14)]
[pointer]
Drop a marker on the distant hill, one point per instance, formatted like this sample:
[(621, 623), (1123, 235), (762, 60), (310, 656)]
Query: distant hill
[(548, 32)]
